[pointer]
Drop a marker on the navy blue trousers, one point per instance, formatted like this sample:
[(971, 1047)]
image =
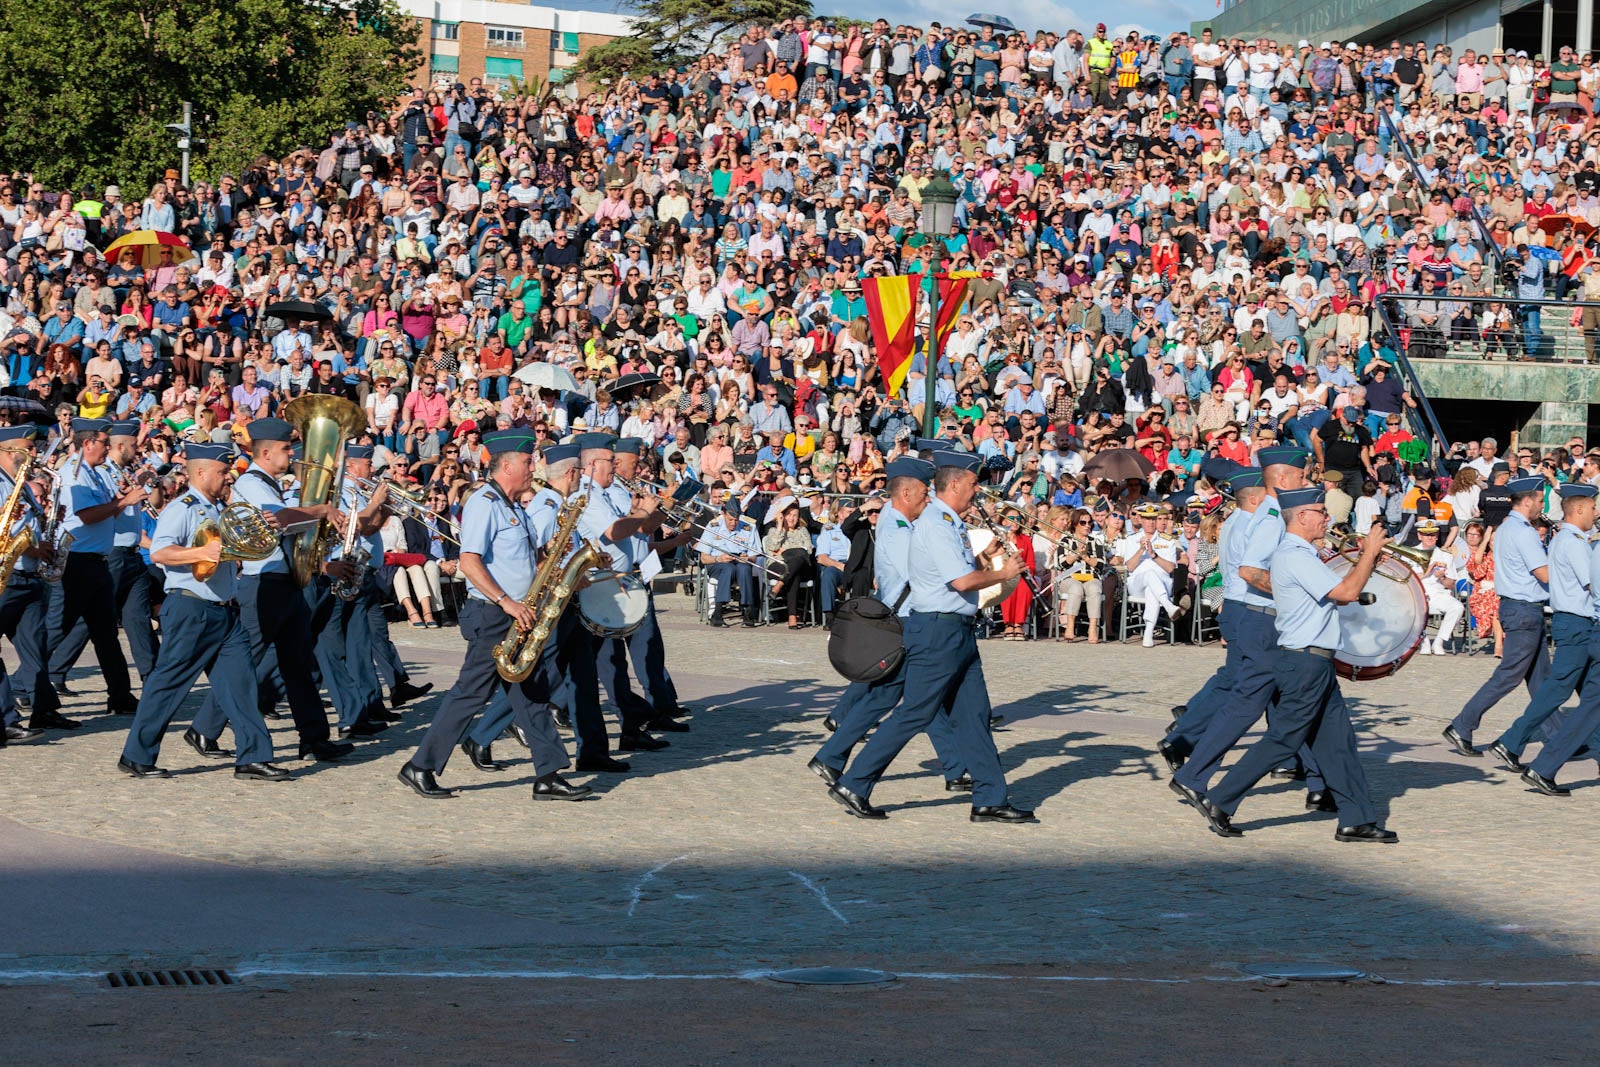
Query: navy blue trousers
[(23, 611), (88, 595), (1578, 730), (1567, 668), (278, 622), (864, 706), (1523, 660), (130, 578)]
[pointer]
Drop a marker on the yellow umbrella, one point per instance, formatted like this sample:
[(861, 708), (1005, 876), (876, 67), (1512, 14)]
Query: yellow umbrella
[(147, 246)]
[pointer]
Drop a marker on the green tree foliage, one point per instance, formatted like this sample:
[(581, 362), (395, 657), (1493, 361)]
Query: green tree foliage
[(90, 84), (669, 33)]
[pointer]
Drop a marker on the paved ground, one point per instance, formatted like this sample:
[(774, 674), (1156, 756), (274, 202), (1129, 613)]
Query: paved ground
[(723, 856)]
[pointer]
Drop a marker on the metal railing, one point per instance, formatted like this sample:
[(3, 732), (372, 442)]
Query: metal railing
[(1422, 420), (1557, 341), (1397, 137)]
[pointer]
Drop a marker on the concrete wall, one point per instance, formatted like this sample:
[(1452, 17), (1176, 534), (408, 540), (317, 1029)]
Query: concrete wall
[(1562, 391), (1469, 25)]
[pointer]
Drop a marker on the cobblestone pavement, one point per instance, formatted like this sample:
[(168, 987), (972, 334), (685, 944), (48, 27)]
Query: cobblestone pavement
[(723, 852)]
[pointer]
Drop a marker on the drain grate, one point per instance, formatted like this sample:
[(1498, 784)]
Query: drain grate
[(190, 978)]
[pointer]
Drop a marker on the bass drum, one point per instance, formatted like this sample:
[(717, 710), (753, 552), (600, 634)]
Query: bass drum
[(990, 595), (613, 605), (1377, 639)]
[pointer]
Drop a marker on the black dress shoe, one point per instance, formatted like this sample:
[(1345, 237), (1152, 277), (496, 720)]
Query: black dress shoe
[(860, 807), (480, 756), (825, 772), (563, 719), (274, 715), (1169, 752), (386, 718), (1215, 817), (667, 726), (1544, 785), (1370, 831), (262, 772), (958, 785), (556, 787), (362, 729), (122, 707), (1460, 744), (751, 622), (142, 770), (423, 783), (205, 747), (830, 724), (679, 712), (404, 691), (996, 721), (1507, 757), (716, 619), (603, 765), (1321, 800), (639, 741), (326, 750), (61, 688), (1177, 711), (19, 732), (515, 733), (1000, 813), (1288, 774), (51, 720)]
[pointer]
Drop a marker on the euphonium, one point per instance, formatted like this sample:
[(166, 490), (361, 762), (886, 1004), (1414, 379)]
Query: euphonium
[(13, 546), (324, 422), (553, 586), (245, 534)]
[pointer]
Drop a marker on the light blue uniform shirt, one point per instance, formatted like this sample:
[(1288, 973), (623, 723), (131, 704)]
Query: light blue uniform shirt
[(1300, 586), (718, 540), (351, 502), (82, 488), (544, 512), (832, 542), (891, 556), (497, 530), (1518, 552), (1231, 539), (255, 486), (1594, 577), (634, 548), (175, 528), (599, 513), (1570, 589), (1260, 542), (125, 524), (29, 517), (941, 554)]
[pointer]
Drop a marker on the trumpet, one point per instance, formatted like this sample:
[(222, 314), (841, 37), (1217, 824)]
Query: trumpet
[(1344, 542)]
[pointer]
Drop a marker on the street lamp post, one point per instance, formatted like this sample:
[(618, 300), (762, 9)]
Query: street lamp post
[(938, 220)]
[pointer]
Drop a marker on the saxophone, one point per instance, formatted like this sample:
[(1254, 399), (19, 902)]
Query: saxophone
[(13, 546), (553, 586)]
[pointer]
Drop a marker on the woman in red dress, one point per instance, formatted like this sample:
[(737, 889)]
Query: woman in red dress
[(1484, 603), (1014, 609)]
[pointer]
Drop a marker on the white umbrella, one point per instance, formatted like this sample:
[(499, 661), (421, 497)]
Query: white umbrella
[(546, 376)]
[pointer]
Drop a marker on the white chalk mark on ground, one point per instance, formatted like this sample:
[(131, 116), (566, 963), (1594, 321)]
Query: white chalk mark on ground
[(638, 887), (821, 894)]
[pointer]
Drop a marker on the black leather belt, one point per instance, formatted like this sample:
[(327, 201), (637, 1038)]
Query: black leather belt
[(205, 600), (950, 616)]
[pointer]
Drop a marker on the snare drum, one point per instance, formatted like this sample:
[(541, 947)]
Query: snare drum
[(1377, 639), (613, 605)]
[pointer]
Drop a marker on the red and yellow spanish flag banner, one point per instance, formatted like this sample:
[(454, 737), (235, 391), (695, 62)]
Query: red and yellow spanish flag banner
[(952, 298), (892, 315)]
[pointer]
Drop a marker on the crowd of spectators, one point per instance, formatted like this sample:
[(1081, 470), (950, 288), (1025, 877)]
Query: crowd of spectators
[(1181, 243)]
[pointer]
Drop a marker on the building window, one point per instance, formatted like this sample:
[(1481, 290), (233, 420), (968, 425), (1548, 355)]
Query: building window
[(447, 31), (564, 42), (501, 70), (442, 64), (503, 37)]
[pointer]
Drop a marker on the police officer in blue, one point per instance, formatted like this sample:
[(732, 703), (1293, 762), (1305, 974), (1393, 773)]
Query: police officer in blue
[(833, 556), (132, 593), (1572, 606), (1309, 709), (942, 653), (1522, 580), (276, 616), (90, 505), (24, 603), (729, 548), (1248, 492), (863, 706), (202, 631), (615, 522), (644, 645), (1252, 679), (499, 550)]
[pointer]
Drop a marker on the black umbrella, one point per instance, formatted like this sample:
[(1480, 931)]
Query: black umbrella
[(629, 382), (1118, 465), (21, 405), (298, 309)]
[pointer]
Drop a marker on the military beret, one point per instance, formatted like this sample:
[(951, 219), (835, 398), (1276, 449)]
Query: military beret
[(1299, 498), (270, 430), (502, 441)]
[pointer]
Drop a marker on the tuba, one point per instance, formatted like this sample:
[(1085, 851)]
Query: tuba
[(12, 546), (245, 533), (553, 586), (325, 423)]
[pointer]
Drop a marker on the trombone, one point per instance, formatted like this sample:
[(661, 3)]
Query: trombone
[(1344, 542), (404, 501)]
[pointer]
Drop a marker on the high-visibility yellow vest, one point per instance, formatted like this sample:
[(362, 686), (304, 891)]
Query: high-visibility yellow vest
[(1101, 52)]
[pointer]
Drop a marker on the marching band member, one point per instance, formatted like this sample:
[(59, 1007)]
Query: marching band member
[(942, 653), (91, 505), (1439, 582), (729, 550), (1306, 594), (1150, 558), (864, 705), (1571, 621), (201, 631), (343, 641), (275, 613), (499, 545), (131, 596), (1521, 578), (833, 557), (24, 604)]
